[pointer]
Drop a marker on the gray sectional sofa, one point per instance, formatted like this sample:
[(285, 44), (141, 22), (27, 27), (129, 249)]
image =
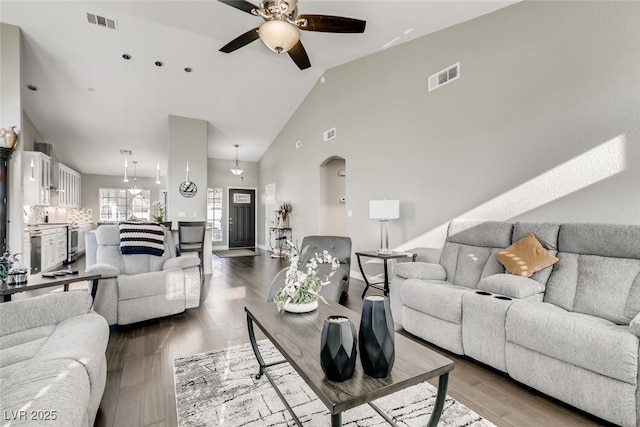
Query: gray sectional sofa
[(53, 367), (570, 331)]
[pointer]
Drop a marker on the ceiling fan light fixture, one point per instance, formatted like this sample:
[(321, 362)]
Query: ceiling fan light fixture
[(279, 36)]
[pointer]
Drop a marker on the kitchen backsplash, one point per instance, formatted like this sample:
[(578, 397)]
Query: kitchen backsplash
[(34, 215)]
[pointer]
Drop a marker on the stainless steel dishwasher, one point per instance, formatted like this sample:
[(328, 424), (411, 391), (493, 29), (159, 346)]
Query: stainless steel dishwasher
[(36, 251)]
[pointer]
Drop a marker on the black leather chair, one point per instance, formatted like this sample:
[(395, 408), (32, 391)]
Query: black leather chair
[(339, 247), (191, 239)]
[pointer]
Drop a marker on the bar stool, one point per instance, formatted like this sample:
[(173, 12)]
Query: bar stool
[(191, 239)]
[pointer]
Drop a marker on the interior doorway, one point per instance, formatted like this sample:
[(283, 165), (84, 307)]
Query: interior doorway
[(242, 218), (333, 207)]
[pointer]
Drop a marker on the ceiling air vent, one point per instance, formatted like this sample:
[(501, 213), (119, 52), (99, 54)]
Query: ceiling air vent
[(443, 77), (101, 21), (329, 135)]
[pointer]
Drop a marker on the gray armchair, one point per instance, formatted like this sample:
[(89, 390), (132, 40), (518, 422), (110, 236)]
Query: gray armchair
[(139, 287), (339, 247)]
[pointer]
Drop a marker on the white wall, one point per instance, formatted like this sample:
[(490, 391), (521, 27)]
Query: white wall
[(542, 85), (11, 115), (187, 143)]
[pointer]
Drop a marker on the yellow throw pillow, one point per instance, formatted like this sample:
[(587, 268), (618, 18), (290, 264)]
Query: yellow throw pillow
[(525, 257)]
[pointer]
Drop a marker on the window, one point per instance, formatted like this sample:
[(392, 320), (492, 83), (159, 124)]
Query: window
[(214, 213), (118, 204)]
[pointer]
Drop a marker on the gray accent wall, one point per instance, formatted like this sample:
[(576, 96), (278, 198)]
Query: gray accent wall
[(543, 125)]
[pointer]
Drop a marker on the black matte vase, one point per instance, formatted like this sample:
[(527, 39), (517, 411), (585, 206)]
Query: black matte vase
[(376, 339), (338, 349)]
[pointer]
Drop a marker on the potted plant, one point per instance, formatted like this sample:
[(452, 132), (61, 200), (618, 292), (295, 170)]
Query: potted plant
[(302, 285), (160, 209)]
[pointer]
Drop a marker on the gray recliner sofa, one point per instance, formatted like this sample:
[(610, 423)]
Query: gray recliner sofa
[(53, 367), (340, 248), (570, 331), (134, 288)]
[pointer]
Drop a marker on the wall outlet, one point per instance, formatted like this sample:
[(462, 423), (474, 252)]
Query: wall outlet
[(298, 144), (349, 213), (182, 214), (195, 214)]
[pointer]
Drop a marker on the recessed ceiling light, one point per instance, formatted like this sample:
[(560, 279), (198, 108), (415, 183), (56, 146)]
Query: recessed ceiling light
[(188, 69), (32, 88), (158, 64), (126, 56)]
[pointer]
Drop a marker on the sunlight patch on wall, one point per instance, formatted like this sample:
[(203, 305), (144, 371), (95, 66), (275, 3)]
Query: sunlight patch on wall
[(597, 164)]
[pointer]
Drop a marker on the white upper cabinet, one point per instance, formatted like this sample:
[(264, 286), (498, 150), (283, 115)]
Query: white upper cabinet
[(68, 186), (36, 178)]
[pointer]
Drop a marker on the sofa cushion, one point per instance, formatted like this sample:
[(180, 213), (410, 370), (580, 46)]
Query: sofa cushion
[(600, 286), (60, 385), (610, 240), (510, 285), (468, 253), (23, 345), (168, 282), (435, 298), (586, 341), (526, 257)]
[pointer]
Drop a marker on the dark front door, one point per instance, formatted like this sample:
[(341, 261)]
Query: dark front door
[(242, 219)]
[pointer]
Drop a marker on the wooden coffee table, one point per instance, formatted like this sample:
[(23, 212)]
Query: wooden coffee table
[(297, 337)]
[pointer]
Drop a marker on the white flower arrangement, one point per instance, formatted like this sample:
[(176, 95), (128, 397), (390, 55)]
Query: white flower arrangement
[(302, 284)]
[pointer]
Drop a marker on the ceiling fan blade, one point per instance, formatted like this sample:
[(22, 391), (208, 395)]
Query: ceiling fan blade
[(242, 5), (331, 24), (241, 41), (299, 56)]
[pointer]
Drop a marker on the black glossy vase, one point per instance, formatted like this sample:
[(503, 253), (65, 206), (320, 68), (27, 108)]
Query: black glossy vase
[(338, 349), (376, 339)]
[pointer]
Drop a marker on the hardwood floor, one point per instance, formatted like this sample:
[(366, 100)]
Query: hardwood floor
[(140, 389)]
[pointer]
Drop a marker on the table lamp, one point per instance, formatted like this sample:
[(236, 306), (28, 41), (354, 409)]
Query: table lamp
[(384, 210)]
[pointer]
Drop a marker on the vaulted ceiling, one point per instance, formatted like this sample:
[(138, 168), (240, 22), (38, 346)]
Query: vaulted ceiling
[(91, 103)]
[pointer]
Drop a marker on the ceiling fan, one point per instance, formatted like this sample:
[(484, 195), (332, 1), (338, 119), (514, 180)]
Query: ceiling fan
[(280, 31)]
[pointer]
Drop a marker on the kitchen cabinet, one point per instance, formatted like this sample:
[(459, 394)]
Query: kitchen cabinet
[(36, 178), (54, 247), (68, 182)]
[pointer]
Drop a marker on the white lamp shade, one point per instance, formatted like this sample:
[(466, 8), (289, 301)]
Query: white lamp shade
[(279, 36), (384, 209)]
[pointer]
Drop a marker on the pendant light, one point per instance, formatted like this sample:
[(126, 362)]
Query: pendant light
[(237, 171), (126, 166), (135, 190), (158, 174)]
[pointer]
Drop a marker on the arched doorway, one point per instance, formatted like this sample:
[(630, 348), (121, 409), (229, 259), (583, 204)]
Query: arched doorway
[(333, 207)]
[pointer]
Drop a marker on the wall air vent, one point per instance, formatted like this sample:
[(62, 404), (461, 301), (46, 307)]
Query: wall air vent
[(445, 76), (126, 152), (101, 21), (329, 135)]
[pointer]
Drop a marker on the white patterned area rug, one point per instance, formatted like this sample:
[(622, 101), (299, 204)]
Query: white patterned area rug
[(219, 388)]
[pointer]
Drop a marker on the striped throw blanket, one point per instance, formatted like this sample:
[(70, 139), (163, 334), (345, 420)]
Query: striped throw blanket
[(145, 238)]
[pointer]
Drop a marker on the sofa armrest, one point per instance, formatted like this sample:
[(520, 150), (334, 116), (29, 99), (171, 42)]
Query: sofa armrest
[(107, 271), (420, 270), (511, 285), (49, 309), (182, 262)]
